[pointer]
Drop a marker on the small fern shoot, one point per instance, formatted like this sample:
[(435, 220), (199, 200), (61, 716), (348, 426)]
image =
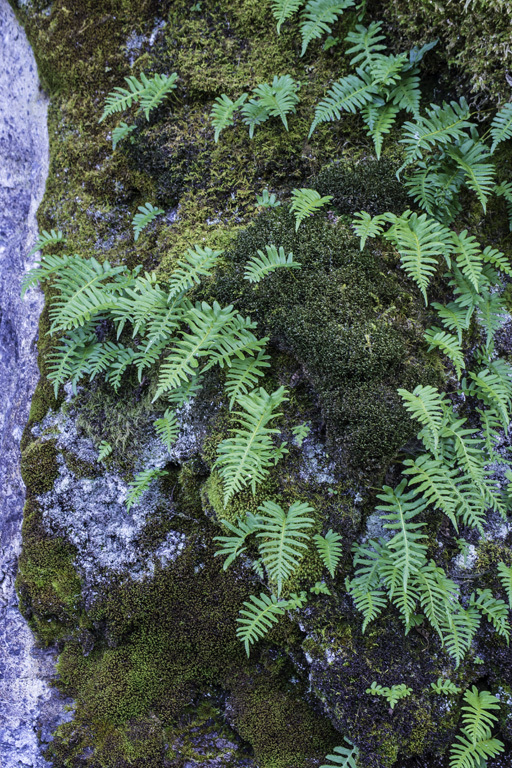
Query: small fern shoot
[(501, 126), (392, 694), (140, 484), (318, 17), (283, 10), (343, 757), (121, 132), (167, 428), (445, 687), (262, 265), (267, 200), (258, 617), (140, 221), (105, 449), (329, 548), (47, 238), (223, 112), (306, 202)]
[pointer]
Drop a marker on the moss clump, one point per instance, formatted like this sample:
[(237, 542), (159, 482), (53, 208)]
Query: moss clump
[(39, 468)]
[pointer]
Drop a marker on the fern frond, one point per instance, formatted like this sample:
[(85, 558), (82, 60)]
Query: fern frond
[(427, 405), (501, 126), (121, 132), (306, 202), (492, 313), (267, 199), (468, 257), (234, 545), (258, 268), (392, 694), (366, 226), (242, 375), (454, 317), (283, 10), (369, 602), (349, 94), (386, 69), (140, 221), (329, 548), (317, 18), (471, 156), (234, 340), (497, 259), (185, 392), (47, 238), (380, 120), (441, 126), (117, 367), (244, 458), (156, 89), (420, 240), (343, 757), (199, 262), (223, 112), (445, 687), (165, 317), (254, 112), (476, 742), (494, 390), (448, 344), (48, 265), (438, 595), (140, 484), (105, 449), (459, 631), (280, 98), (260, 614), (69, 361), (167, 428), (406, 92), (495, 610), (122, 98), (474, 754), (505, 576), (284, 536), (320, 588), (366, 43)]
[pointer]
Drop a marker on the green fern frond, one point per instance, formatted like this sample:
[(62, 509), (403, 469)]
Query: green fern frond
[(349, 94), (199, 262), (122, 98), (468, 256), (343, 757), (284, 538), (497, 259), (223, 112), (185, 392), (501, 126), (47, 238), (438, 595), (379, 119), (165, 317), (492, 313), (43, 269), (254, 112), (392, 694), (494, 609), (140, 484), (306, 202), (494, 390), (386, 69), (283, 10), (260, 614), (140, 221), (475, 740), (233, 546), (69, 361), (448, 344), (244, 458), (105, 449), (471, 156), (320, 588), (505, 576), (459, 631), (366, 43), (366, 226), (280, 98), (454, 317), (318, 17), (329, 548), (242, 375), (121, 132), (267, 199), (258, 268), (427, 405), (156, 89), (440, 127), (300, 432), (445, 687), (117, 367), (234, 340), (406, 93), (167, 428)]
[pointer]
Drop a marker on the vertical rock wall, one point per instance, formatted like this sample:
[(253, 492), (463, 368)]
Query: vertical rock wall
[(25, 698)]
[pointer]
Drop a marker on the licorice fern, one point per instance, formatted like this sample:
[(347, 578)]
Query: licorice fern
[(445, 687), (140, 484), (305, 203), (149, 91), (223, 112), (318, 17), (476, 743), (329, 548), (276, 100), (392, 693), (259, 615), (147, 213), (501, 126), (262, 265), (343, 757), (121, 132), (167, 428), (283, 10), (242, 375), (47, 238)]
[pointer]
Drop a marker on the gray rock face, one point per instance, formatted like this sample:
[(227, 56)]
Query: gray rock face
[(26, 701)]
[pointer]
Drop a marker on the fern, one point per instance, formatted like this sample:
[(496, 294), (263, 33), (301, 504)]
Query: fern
[(186, 392), (254, 112), (349, 94), (121, 132), (501, 126), (495, 610), (320, 588), (343, 757), (122, 98), (317, 18), (441, 126), (497, 259), (448, 344), (493, 389), (167, 428), (505, 190), (242, 375), (406, 93), (380, 120), (140, 484), (427, 405), (300, 432), (45, 268), (386, 69), (223, 112), (366, 43), (471, 156), (140, 221), (306, 202), (244, 458), (47, 238), (233, 546), (278, 99), (156, 89), (199, 262), (459, 631), (330, 550), (438, 596), (258, 268), (445, 687), (366, 226), (475, 740), (492, 313), (283, 10), (70, 359), (454, 317), (105, 449), (505, 576), (260, 614), (392, 694), (267, 200)]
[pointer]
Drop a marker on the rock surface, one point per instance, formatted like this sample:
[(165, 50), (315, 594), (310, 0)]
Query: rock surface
[(25, 697)]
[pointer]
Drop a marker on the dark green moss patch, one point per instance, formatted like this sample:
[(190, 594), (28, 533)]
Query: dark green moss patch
[(39, 468)]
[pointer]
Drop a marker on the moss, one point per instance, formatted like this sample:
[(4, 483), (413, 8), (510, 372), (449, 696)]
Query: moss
[(39, 468)]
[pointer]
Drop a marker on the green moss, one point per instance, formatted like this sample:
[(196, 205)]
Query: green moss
[(39, 468)]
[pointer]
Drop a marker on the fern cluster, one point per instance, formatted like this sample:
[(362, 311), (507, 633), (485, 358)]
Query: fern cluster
[(476, 743), (316, 18)]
